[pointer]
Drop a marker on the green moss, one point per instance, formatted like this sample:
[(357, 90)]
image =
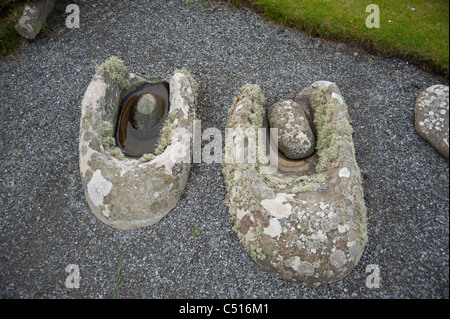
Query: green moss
[(146, 157), (108, 142), (118, 73), (9, 40), (166, 131), (117, 153), (256, 100), (254, 250), (277, 182), (252, 246), (106, 131), (305, 187), (10, 13), (330, 136), (236, 175)]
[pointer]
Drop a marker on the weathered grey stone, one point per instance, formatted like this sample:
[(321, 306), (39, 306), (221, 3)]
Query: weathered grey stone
[(125, 192), (307, 224), (33, 17), (295, 136), (432, 117), (147, 112)]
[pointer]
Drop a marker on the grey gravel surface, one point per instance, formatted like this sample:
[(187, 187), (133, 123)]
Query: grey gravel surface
[(46, 224)]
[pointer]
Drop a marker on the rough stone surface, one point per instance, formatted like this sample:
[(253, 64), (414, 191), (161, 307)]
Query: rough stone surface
[(311, 228), (147, 112), (33, 17), (432, 117), (295, 136), (127, 193)]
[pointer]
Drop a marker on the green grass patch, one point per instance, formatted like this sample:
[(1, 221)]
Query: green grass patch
[(10, 13), (118, 277), (417, 30)]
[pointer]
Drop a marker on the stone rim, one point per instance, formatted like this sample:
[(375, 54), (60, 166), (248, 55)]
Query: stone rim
[(108, 180), (312, 231)]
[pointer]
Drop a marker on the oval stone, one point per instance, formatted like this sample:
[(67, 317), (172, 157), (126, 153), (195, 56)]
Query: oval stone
[(147, 112), (432, 117), (295, 136), (127, 193), (307, 225)]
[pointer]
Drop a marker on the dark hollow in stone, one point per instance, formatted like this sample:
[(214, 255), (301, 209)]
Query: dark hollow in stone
[(136, 139)]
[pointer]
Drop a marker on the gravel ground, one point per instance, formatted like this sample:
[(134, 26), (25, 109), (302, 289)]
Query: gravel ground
[(46, 223)]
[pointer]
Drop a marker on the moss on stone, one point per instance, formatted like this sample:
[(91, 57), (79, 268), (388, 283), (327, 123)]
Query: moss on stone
[(118, 73), (146, 157), (305, 188), (166, 131), (237, 180), (194, 83), (330, 136), (106, 131), (256, 100), (277, 182), (117, 153)]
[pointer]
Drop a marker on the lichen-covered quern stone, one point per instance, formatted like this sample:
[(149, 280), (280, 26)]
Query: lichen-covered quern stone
[(432, 117), (129, 192), (306, 221)]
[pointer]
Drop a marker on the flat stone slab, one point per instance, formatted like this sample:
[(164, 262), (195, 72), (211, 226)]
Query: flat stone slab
[(126, 192), (33, 17), (432, 117), (305, 221)]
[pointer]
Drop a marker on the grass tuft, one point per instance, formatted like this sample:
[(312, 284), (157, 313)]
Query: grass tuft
[(10, 13), (118, 277)]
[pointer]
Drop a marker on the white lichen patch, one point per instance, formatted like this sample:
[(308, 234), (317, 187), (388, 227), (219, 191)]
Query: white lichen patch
[(344, 172), (280, 206), (98, 187), (338, 259), (240, 213), (274, 229), (305, 269), (338, 97)]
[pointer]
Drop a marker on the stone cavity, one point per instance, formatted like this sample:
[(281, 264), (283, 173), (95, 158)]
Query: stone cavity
[(125, 192), (142, 115), (306, 222), (432, 117)]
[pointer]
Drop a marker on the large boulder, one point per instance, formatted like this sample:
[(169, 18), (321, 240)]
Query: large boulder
[(432, 117), (128, 192), (305, 221)]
